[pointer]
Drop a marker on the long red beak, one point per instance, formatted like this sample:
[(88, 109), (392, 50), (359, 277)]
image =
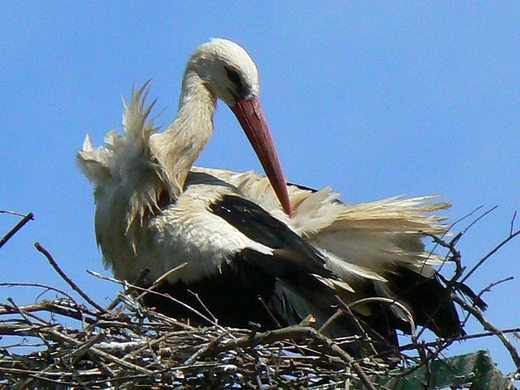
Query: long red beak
[(251, 117)]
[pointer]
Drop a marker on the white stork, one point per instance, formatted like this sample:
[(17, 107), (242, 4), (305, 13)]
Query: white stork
[(256, 250)]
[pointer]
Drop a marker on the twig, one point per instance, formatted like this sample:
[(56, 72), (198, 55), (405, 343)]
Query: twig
[(494, 284), (204, 348), (107, 356), (435, 343), (491, 253), (81, 350), (69, 281), (56, 307), (512, 224), (17, 227), (12, 213), (39, 285), (462, 232), (160, 279), (480, 217), (213, 318), (491, 328), (26, 319)]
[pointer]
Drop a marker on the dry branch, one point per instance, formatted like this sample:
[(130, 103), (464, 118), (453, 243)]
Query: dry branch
[(18, 226)]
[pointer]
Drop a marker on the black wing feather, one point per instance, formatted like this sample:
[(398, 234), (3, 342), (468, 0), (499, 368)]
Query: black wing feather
[(291, 251)]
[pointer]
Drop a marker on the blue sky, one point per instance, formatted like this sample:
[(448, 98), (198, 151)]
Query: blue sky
[(371, 98)]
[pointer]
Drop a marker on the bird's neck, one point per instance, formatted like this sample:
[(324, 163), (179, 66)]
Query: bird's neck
[(177, 148)]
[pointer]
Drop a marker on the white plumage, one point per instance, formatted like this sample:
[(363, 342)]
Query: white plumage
[(154, 211)]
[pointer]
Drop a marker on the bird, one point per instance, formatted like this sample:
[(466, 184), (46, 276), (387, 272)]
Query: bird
[(241, 249)]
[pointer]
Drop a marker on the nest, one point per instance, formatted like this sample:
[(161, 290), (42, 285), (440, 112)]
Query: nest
[(66, 343), (141, 348)]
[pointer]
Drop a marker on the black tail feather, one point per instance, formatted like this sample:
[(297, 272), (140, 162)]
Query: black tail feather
[(429, 301)]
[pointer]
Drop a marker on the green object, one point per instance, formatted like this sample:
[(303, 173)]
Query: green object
[(475, 371)]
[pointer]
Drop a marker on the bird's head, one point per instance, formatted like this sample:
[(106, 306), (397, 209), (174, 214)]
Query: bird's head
[(226, 69), (229, 74)]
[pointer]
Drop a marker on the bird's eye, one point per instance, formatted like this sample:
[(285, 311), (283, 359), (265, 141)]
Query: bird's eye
[(234, 77)]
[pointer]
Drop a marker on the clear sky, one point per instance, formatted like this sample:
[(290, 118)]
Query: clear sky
[(371, 98)]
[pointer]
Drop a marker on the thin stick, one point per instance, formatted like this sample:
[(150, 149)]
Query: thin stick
[(12, 213), (74, 286), (489, 327), (17, 227), (204, 348), (39, 285), (495, 250), (512, 224), (27, 319), (160, 279)]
